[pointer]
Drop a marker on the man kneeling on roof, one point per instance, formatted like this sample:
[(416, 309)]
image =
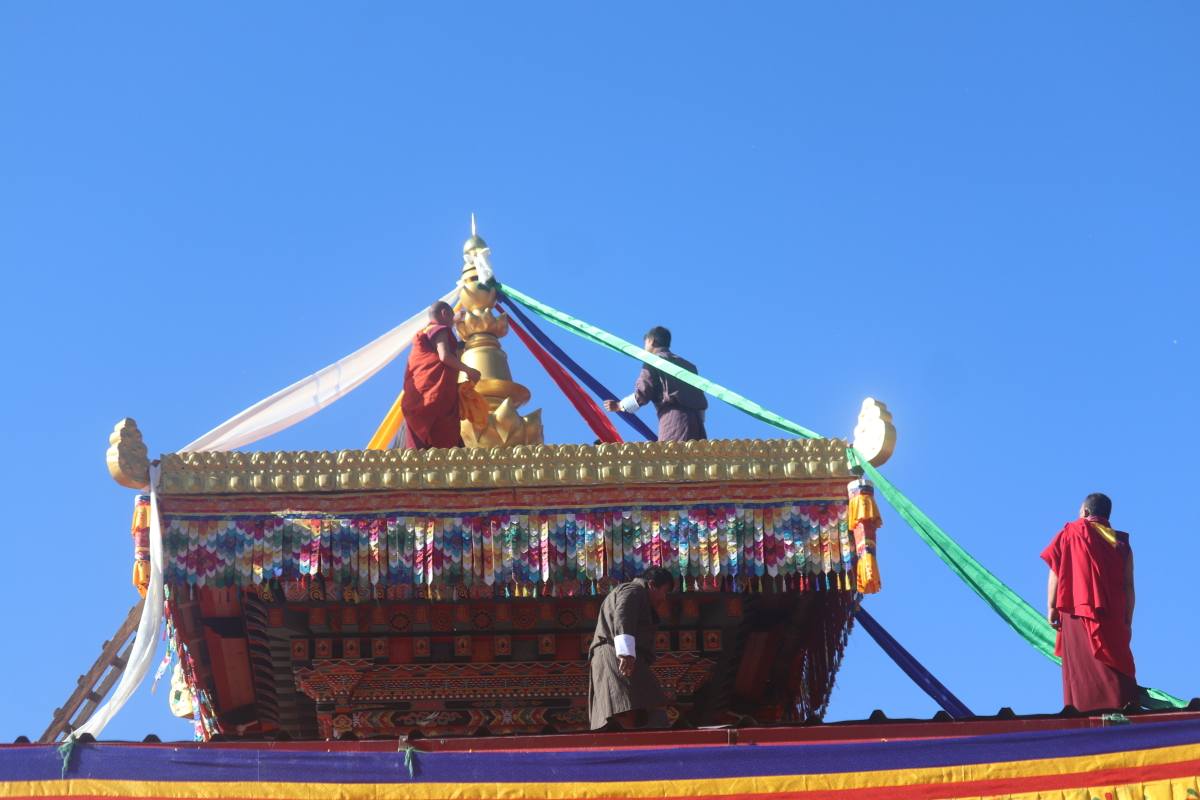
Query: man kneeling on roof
[(622, 691), (431, 396), (680, 405)]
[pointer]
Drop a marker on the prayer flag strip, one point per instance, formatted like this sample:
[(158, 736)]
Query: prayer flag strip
[(592, 414), (594, 334), (912, 668), (601, 391)]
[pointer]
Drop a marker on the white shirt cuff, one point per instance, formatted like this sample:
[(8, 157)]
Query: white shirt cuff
[(629, 405), (624, 644)]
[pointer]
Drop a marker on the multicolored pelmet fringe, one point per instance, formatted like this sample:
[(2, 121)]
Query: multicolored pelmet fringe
[(802, 546)]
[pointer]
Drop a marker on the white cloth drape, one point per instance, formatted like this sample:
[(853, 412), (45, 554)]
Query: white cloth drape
[(279, 411), (309, 395), (142, 654), (483, 267)]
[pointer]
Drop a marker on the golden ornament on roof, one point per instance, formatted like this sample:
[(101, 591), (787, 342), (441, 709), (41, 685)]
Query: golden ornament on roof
[(476, 241), (481, 328), (875, 435)]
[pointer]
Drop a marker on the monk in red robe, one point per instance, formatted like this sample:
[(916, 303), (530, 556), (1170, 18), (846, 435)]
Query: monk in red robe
[(1090, 601), (430, 401)]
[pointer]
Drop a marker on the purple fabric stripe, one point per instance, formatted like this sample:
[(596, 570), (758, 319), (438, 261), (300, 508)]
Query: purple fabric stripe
[(579, 372), (913, 668), (190, 762)]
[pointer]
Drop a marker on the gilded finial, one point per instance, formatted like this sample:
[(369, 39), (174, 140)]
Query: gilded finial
[(481, 329), (476, 242)]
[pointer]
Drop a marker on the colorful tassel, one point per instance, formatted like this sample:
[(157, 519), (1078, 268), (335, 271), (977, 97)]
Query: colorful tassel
[(868, 574), (862, 517), (140, 530)]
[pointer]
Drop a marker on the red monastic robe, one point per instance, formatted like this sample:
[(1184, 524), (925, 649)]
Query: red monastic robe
[(430, 401), (1098, 670)]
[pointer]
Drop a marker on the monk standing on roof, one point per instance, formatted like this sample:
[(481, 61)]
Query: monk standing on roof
[(1090, 601), (430, 401), (680, 406), (622, 691)]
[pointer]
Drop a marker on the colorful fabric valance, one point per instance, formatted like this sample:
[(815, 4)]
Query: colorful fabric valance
[(798, 545)]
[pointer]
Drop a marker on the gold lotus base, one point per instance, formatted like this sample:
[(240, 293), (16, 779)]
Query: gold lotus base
[(505, 428)]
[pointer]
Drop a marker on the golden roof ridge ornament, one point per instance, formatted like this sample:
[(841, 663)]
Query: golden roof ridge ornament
[(481, 328), (875, 435), (127, 460)]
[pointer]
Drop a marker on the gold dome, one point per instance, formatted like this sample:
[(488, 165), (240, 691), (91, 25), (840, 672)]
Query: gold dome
[(474, 243)]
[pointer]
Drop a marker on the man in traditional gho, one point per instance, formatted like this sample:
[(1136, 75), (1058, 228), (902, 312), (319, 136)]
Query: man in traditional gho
[(622, 691), (680, 406), (430, 401), (1090, 601)]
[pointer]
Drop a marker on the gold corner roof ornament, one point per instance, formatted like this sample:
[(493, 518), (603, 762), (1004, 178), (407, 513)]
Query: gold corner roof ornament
[(128, 463), (875, 435)]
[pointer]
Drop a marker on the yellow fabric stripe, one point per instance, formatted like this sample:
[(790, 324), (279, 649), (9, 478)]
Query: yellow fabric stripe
[(1166, 789), (707, 787), (1108, 534), (387, 429), (1169, 789)]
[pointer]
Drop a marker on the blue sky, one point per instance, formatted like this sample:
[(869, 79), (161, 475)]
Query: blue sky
[(983, 214)]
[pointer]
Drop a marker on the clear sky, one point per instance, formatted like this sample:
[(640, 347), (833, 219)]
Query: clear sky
[(983, 214)]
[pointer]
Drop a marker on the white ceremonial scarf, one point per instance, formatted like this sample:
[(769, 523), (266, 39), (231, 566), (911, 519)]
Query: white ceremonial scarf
[(146, 638), (279, 411), (309, 395)]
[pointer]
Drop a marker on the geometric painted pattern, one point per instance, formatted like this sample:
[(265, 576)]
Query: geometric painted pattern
[(344, 681), (798, 546), (368, 699)]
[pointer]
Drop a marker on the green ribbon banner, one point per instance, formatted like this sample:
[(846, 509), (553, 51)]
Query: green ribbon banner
[(594, 334), (1022, 617)]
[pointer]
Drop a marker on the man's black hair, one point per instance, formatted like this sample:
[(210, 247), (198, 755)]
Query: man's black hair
[(1097, 505), (659, 336), (438, 307), (658, 576)]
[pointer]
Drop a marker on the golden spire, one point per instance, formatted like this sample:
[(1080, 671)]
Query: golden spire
[(481, 329), (474, 243)]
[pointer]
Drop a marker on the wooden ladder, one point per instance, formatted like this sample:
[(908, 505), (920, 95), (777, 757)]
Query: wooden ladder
[(92, 687)]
